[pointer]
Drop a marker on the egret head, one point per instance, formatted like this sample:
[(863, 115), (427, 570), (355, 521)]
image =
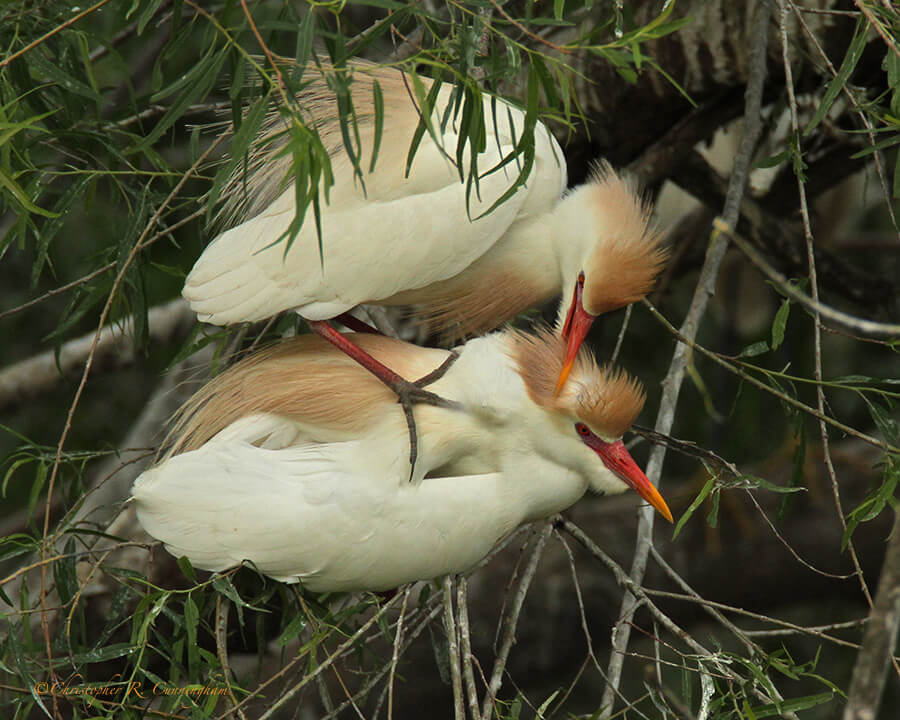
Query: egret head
[(618, 259), (589, 417)]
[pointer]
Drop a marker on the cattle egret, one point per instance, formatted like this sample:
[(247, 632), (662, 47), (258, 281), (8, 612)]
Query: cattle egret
[(423, 238), (293, 460)]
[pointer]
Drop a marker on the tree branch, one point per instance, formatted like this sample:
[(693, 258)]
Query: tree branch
[(28, 378), (673, 380), (780, 236), (814, 305), (870, 671)]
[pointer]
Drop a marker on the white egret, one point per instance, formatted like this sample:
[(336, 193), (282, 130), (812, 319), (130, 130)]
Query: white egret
[(294, 459), (420, 238)]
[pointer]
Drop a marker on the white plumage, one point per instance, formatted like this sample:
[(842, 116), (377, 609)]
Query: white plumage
[(271, 467), (418, 240)]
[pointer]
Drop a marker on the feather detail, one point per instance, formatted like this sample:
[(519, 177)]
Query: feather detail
[(607, 399), (255, 185), (623, 266), (475, 302), (305, 379)]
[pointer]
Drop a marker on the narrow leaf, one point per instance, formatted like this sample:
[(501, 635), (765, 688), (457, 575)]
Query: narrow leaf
[(851, 58), (778, 327), (701, 496)]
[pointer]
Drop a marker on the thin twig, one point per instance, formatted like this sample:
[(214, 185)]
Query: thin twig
[(815, 630), (879, 28), (511, 620), (811, 303), (870, 671), (222, 609), (809, 566), (453, 649), (818, 309), (784, 397), (591, 656), (49, 34), (395, 655), (702, 293), (643, 598), (465, 643), (326, 663), (524, 30), (377, 677), (266, 51), (105, 268), (681, 582), (870, 131), (621, 337), (41, 372), (104, 315)]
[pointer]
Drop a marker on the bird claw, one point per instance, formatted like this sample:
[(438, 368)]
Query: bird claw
[(410, 393)]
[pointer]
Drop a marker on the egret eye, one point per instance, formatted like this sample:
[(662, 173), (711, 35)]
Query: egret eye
[(583, 430)]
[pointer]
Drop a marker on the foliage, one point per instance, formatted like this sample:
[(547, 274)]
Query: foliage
[(112, 168)]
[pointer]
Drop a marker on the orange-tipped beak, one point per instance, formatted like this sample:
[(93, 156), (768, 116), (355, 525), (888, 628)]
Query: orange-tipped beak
[(574, 330), (619, 460)]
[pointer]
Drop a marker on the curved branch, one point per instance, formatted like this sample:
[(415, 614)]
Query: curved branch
[(862, 325)]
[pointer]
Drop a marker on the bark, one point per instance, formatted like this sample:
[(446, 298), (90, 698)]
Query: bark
[(880, 638)]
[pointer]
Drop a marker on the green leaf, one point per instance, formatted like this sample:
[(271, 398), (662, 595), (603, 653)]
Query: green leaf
[(240, 143), (99, 655), (197, 82), (876, 501), (544, 705), (791, 706), (292, 630), (559, 9), (147, 15), (778, 327), (701, 496), (880, 145), (754, 481), (747, 711), (884, 422), (797, 467), (773, 160), (378, 106), (37, 485), (851, 58), (64, 574), (7, 181), (713, 518), (425, 107), (186, 568), (896, 189), (191, 620), (757, 348), (224, 585), (55, 72)]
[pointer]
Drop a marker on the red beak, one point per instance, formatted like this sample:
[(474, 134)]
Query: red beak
[(619, 460), (575, 329)]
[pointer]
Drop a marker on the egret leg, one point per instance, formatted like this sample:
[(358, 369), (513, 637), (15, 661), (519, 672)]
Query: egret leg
[(409, 393)]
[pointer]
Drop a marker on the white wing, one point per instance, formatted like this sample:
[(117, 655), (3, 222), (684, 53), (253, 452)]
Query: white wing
[(401, 235), (231, 501), (336, 516)]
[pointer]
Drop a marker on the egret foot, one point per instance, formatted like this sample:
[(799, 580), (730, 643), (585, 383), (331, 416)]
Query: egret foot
[(408, 393)]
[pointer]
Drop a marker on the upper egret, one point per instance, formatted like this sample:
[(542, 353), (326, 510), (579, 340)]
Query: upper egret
[(423, 237), (293, 460)]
